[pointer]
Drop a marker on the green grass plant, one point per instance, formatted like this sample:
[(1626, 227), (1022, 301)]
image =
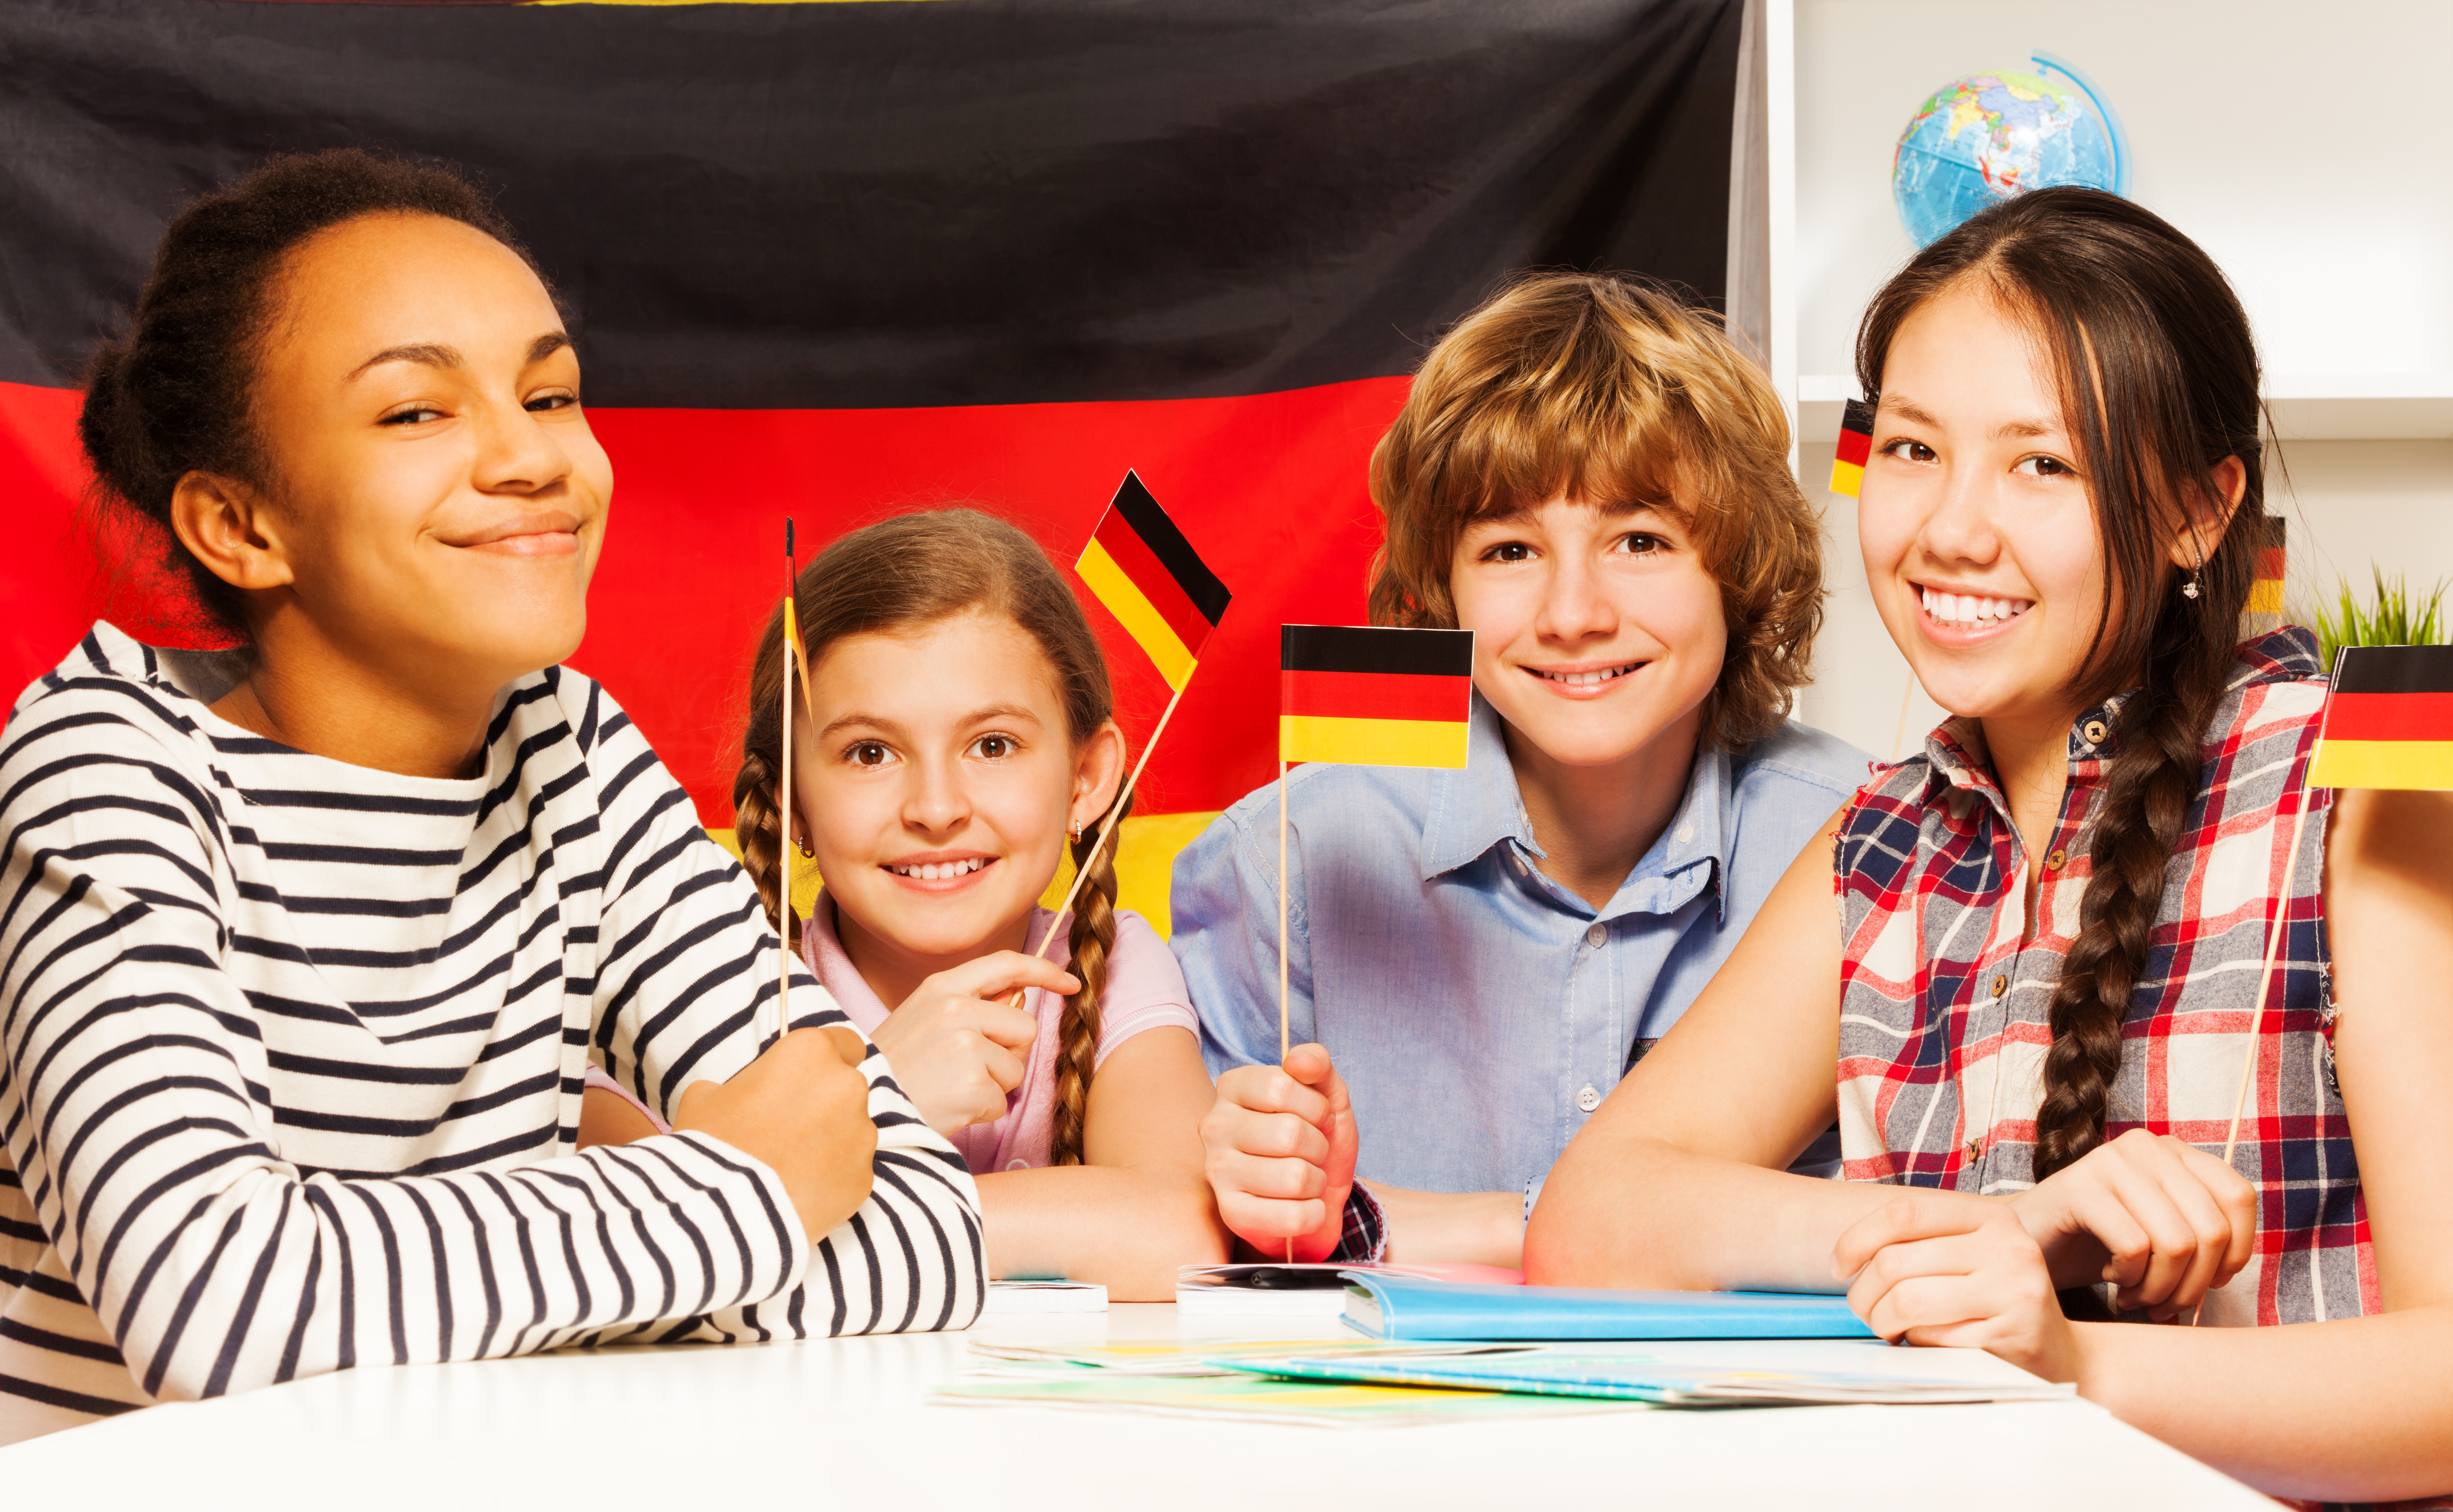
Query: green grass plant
[(2394, 616)]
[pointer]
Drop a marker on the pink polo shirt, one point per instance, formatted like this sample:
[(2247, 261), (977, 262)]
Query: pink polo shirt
[(1145, 991)]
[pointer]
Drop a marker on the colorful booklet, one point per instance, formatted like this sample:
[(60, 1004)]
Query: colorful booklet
[(1387, 1306), (1637, 1379), (1253, 1399)]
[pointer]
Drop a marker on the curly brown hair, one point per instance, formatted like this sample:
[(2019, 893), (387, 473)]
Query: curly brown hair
[(1606, 387)]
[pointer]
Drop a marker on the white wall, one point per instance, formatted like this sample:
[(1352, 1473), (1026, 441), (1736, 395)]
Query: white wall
[(2301, 144)]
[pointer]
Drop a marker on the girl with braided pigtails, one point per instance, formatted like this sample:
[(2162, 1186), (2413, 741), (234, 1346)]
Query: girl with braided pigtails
[(959, 728), (2034, 1005)]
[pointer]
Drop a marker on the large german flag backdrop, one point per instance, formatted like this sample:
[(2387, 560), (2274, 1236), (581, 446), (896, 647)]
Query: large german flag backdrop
[(842, 260)]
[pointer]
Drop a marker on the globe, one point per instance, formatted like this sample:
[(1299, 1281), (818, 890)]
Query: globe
[(1981, 139)]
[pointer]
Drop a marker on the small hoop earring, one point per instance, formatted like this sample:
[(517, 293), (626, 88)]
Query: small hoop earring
[(1077, 832), (800, 844)]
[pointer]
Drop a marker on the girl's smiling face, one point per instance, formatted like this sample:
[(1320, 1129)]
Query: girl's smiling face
[(935, 779), (1980, 541), (440, 499)]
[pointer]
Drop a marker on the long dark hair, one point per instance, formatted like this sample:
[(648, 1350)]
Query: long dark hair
[(912, 570), (2159, 386), (173, 395)]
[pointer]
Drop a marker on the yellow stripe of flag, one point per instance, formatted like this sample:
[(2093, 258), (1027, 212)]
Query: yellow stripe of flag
[(1135, 611), (2383, 763), (2266, 596), (1846, 478), (794, 656), (1371, 741)]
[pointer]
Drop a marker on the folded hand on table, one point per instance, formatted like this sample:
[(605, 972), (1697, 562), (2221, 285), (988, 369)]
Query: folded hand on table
[(801, 1107), (2161, 1220), (1936, 1268), (2164, 1221)]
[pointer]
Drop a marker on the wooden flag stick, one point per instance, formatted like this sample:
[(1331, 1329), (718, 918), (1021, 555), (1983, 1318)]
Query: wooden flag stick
[(2281, 926), (1907, 697), (783, 851), (783, 799), (1286, 1034), (1108, 825)]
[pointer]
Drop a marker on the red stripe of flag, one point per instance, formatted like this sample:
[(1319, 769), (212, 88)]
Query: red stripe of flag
[(2389, 716), (678, 598), (1117, 535), (1373, 695), (1855, 447), (2269, 562)]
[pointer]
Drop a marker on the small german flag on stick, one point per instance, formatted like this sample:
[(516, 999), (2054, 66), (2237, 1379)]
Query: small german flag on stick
[(1856, 447), (1140, 567), (1152, 580), (1365, 696), (2388, 723), (2264, 611)]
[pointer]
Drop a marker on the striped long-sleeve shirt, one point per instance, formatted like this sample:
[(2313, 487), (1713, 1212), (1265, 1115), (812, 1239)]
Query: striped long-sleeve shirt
[(294, 1050)]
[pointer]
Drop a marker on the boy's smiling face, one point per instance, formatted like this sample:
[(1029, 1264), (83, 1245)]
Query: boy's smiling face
[(1597, 628)]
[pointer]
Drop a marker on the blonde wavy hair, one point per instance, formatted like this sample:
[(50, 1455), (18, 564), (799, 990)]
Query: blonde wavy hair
[(1599, 388)]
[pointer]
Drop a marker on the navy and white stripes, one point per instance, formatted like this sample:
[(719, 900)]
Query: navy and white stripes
[(294, 1050)]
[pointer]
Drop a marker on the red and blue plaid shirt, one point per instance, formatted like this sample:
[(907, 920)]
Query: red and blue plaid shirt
[(1943, 1026)]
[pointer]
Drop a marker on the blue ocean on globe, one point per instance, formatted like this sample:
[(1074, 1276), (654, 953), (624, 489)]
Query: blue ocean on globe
[(1984, 138)]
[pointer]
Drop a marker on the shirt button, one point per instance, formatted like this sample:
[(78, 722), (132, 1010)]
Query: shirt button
[(1588, 1099), (1597, 936), (2000, 984), (2053, 861), (2095, 731), (1685, 834), (1975, 1150)]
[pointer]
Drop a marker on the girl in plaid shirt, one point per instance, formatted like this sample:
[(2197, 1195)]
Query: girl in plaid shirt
[(2035, 1011)]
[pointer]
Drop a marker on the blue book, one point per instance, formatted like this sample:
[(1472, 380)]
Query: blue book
[(1400, 1307)]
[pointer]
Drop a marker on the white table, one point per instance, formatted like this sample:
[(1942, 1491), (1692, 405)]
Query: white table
[(840, 1425)]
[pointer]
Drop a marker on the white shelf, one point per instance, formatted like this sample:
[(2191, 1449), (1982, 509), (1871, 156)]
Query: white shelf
[(2396, 407), (2393, 406)]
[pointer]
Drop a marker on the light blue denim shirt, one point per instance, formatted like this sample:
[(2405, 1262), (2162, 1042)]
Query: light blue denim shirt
[(1479, 1011)]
